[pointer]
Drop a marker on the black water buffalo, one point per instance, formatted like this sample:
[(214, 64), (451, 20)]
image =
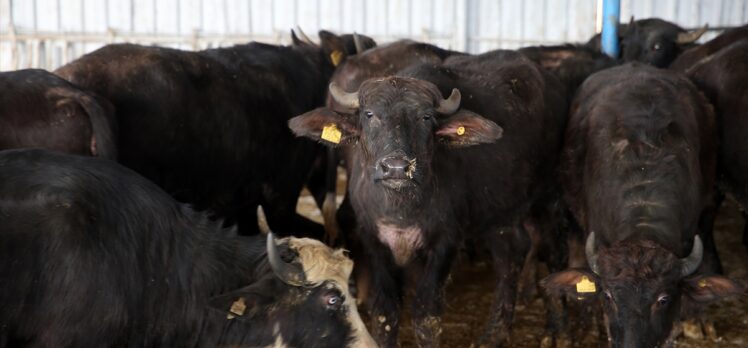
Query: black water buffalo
[(638, 169), (424, 170), (94, 255), (382, 61), (653, 41), (210, 127), (41, 110), (719, 68)]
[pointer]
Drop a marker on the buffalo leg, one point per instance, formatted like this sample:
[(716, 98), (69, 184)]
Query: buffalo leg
[(508, 249), (384, 303), (428, 298)]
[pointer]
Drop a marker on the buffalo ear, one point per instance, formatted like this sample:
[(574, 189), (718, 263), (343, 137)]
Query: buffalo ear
[(325, 124), (333, 46), (712, 288), (466, 128), (576, 283)]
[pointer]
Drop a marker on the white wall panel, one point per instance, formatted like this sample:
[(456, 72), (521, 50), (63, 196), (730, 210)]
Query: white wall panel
[(49, 33)]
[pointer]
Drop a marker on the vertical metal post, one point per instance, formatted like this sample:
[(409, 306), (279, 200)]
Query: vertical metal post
[(611, 17)]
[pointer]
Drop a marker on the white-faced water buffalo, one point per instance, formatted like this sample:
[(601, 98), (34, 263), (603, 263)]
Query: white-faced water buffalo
[(426, 170), (210, 126), (41, 110), (638, 168), (94, 255)]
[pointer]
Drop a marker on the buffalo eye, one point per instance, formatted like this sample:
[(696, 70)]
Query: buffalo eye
[(426, 117), (608, 296), (333, 299), (368, 113), (657, 46), (663, 300)]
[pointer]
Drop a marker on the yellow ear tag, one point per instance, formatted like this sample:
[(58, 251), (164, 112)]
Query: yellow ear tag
[(460, 130), (237, 308), (702, 283), (331, 133), (336, 56), (585, 286)]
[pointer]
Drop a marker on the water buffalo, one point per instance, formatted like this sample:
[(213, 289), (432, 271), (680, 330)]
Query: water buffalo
[(638, 168), (41, 110), (718, 68), (94, 255), (425, 169), (652, 41), (210, 126)]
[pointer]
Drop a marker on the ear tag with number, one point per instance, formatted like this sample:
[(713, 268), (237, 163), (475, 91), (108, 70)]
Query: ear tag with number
[(585, 286), (336, 56), (460, 130), (237, 308), (331, 133)]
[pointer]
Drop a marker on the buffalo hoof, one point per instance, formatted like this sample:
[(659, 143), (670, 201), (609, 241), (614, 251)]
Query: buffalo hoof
[(692, 329), (548, 341), (699, 330)]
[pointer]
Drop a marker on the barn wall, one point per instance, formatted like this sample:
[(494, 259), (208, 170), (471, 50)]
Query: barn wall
[(49, 33)]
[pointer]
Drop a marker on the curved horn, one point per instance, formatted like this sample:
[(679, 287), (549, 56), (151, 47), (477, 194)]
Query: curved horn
[(349, 100), (450, 105), (591, 253), (358, 43), (262, 221), (304, 37), (691, 36), (290, 274), (690, 263)]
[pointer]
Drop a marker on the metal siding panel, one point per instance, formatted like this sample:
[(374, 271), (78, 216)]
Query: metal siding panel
[(213, 20), (282, 18), (398, 18), (307, 17), (4, 16), (167, 17), (556, 21), (420, 24), (511, 32), (374, 16), (144, 16), (46, 14), (189, 16), (23, 15), (118, 15), (581, 21), (329, 14), (238, 16)]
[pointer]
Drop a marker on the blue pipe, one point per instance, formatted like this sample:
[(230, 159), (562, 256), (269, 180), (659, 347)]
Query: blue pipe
[(611, 17)]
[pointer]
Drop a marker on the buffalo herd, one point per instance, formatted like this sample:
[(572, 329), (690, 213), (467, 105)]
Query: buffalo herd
[(139, 185)]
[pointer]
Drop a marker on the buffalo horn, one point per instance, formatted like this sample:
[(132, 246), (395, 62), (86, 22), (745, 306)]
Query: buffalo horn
[(690, 263), (304, 37), (290, 274), (591, 253), (357, 42), (450, 105), (262, 221), (691, 36), (348, 100)]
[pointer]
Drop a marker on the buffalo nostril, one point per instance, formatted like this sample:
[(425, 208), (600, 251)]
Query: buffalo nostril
[(394, 168)]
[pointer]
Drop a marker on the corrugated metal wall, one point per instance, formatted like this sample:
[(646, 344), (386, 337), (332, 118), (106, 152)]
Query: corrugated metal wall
[(49, 33)]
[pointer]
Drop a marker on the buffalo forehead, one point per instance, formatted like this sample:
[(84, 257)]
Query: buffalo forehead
[(638, 261), (419, 92), (321, 263)]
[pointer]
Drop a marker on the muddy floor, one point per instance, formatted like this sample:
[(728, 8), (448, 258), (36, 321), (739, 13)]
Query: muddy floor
[(469, 297)]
